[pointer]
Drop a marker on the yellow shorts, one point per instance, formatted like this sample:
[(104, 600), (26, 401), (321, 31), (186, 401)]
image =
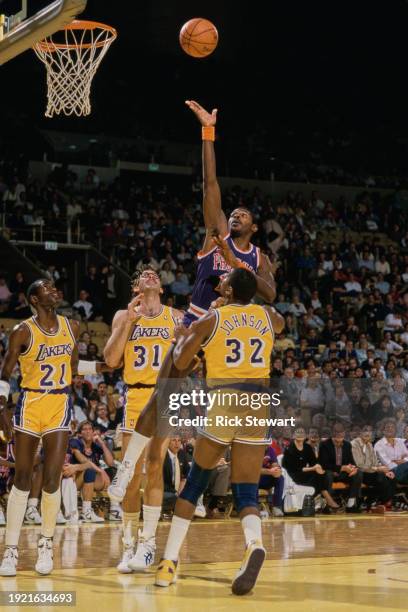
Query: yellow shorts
[(135, 401), (39, 413), (235, 423)]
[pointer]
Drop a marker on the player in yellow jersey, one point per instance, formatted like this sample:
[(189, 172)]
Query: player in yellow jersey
[(141, 337), (237, 340), (45, 347)]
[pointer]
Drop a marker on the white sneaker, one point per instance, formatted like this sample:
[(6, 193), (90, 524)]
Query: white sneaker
[(247, 574), (8, 566), (128, 552), (200, 510), (32, 516), (115, 515), (45, 562), (277, 511), (145, 552), (89, 516), (61, 520), (73, 519), (2, 518), (117, 490)]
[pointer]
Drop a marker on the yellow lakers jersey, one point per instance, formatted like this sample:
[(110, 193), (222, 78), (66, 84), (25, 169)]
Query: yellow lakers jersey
[(241, 343), (46, 362), (146, 348)]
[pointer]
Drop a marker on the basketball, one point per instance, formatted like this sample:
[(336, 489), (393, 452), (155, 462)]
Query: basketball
[(198, 37)]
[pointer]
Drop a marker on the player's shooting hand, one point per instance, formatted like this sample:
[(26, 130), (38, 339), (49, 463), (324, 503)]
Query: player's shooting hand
[(204, 117), (227, 254), (134, 308)]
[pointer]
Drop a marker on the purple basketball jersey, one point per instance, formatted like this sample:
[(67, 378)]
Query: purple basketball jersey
[(211, 266)]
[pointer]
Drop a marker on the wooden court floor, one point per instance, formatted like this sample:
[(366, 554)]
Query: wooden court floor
[(318, 564)]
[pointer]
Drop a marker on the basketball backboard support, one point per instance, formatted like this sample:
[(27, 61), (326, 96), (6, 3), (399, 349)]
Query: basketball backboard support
[(18, 33)]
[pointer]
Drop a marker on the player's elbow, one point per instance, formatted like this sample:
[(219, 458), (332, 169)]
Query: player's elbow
[(279, 325), (110, 360)]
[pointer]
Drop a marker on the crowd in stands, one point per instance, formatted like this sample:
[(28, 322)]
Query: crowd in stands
[(341, 269)]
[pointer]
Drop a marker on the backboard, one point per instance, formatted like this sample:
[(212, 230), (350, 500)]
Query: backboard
[(19, 32)]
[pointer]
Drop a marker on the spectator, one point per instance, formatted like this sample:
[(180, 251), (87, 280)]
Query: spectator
[(83, 306), (175, 470), (336, 458), (271, 478), (301, 464), (392, 452), (89, 446), (378, 477)]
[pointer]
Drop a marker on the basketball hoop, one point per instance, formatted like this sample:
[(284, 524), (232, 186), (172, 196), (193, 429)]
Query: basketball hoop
[(72, 57)]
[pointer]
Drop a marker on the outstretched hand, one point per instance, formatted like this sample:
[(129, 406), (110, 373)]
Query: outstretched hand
[(205, 118), (226, 251)]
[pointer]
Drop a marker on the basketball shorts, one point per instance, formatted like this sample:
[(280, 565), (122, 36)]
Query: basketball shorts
[(39, 413), (135, 400), (232, 420)]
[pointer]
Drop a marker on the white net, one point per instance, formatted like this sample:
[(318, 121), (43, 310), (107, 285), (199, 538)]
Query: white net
[(72, 57)]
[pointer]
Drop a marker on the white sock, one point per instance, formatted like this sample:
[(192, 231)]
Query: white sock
[(136, 446), (252, 526), (151, 516), (114, 506), (130, 524), (86, 506), (16, 508), (350, 502), (69, 496), (177, 533), (32, 501), (50, 505)]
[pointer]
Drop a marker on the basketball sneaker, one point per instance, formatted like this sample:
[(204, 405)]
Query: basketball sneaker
[(8, 566), (2, 518), (89, 516), (128, 552), (166, 573), (45, 562), (200, 510), (145, 552), (73, 518), (61, 520), (115, 514), (251, 565), (123, 476), (32, 516)]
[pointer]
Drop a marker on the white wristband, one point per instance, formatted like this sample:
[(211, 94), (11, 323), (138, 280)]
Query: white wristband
[(4, 389), (86, 367)]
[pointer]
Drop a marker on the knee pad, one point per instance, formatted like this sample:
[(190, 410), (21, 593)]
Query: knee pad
[(245, 494), (89, 475), (197, 482)]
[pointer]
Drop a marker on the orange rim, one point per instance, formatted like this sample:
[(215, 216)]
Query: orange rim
[(51, 46)]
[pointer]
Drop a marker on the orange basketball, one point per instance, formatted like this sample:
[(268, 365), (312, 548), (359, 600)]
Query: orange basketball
[(198, 37)]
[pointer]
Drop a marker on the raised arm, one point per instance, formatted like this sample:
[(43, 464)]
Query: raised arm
[(214, 216), (121, 325)]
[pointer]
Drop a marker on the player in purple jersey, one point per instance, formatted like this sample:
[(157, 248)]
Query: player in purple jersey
[(227, 245), (218, 257)]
